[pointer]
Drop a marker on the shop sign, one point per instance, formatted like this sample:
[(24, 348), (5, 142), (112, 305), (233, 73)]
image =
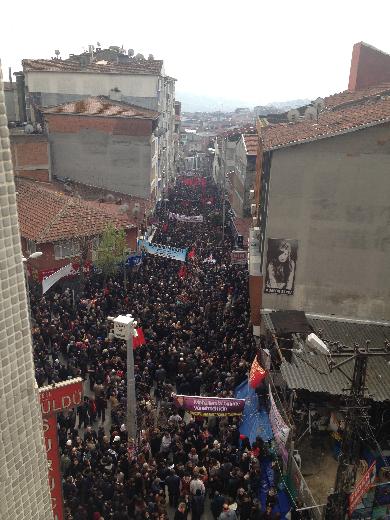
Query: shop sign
[(239, 257), (53, 399), (361, 488)]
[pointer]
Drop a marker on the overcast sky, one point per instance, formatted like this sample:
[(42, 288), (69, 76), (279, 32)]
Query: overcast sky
[(253, 50)]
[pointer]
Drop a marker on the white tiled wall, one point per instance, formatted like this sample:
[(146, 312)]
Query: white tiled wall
[(24, 489)]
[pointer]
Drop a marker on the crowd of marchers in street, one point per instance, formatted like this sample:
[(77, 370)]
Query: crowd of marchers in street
[(198, 341)]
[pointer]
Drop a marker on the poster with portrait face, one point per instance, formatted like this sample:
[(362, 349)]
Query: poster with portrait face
[(281, 266)]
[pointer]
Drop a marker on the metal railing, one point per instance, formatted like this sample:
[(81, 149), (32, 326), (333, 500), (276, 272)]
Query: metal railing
[(301, 491)]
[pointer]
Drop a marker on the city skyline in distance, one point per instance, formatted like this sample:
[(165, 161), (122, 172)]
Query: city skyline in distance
[(253, 53)]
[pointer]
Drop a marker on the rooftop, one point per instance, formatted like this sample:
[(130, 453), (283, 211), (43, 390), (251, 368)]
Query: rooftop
[(309, 370), (102, 106), (50, 216), (250, 142), (368, 112), (349, 96), (78, 64)]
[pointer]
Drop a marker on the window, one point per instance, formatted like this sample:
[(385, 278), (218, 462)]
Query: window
[(95, 247), (31, 246), (66, 249)]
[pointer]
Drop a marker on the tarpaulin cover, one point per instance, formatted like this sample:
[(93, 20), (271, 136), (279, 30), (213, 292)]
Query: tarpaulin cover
[(254, 422)]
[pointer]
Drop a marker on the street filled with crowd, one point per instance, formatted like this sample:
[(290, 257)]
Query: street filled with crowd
[(198, 341)]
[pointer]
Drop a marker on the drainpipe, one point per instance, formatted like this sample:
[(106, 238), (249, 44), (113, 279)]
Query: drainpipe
[(21, 90)]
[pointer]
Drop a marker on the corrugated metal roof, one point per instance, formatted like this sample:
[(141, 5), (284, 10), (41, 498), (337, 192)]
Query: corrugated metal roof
[(310, 371), (349, 332)]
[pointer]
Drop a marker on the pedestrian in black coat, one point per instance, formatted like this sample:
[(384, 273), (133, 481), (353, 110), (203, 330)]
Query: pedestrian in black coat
[(197, 506), (173, 484), (217, 504)]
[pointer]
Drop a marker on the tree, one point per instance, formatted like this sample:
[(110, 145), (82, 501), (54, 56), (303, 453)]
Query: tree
[(111, 251)]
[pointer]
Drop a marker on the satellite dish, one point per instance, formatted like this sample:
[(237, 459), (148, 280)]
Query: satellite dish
[(140, 56), (311, 113), (28, 129), (130, 52), (315, 343), (150, 57), (124, 208), (293, 115), (57, 52)]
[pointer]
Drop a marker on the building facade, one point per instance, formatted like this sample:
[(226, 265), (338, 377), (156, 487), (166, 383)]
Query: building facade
[(244, 174), (113, 73), (324, 212), (65, 229), (24, 486), (30, 155), (106, 144)]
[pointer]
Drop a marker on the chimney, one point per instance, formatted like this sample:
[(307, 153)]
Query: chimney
[(369, 67), (115, 94)]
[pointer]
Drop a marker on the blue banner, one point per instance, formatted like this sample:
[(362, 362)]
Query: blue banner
[(134, 260), (162, 250)]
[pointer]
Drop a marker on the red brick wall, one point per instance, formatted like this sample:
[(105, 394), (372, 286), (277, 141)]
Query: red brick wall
[(369, 67), (36, 175), (118, 126), (131, 238), (30, 156)]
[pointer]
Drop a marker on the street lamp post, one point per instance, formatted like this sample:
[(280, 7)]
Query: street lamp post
[(125, 328)]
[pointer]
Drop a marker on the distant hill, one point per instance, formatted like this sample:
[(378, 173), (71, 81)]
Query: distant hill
[(196, 103)]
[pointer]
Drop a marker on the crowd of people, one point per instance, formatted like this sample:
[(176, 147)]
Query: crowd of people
[(198, 341)]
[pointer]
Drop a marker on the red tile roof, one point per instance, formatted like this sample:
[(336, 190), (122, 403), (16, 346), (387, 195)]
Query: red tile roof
[(370, 112), (47, 216), (250, 142), (110, 201), (133, 66), (352, 96), (103, 107), (233, 133)]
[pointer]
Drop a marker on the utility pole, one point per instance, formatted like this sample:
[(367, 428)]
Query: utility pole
[(356, 411), (125, 328)]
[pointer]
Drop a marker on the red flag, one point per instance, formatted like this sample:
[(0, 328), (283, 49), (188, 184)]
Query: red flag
[(139, 339), (182, 272), (191, 254), (257, 374)]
